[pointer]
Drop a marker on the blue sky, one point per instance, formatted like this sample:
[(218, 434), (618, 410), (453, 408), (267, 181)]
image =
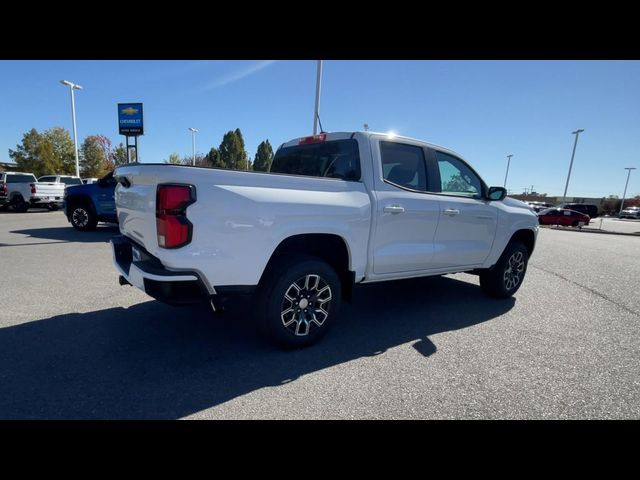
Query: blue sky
[(484, 110)]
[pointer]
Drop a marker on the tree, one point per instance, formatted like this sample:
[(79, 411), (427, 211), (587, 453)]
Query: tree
[(264, 157), (94, 161), (120, 155), (201, 160), (232, 152), (26, 154), (458, 184), (213, 158), (47, 158), (63, 149), (107, 152), (174, 159)]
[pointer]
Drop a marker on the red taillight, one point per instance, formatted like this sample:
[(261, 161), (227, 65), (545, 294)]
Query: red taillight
[(5, 188), (172, 226), (33, 188), (313, 139)]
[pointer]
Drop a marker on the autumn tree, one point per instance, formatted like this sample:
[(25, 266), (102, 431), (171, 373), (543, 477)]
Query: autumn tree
[(120, 155), (26, 153), (45, 153), (94, 161), (63, 149)]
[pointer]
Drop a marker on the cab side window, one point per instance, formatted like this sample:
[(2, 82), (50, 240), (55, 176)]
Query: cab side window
[(403, 166), (456, 178)]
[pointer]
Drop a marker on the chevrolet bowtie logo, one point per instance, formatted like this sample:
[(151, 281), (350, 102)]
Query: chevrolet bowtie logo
[(129, 111)]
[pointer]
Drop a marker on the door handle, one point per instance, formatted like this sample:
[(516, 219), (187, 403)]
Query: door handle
[(451, 211), (393, 209)]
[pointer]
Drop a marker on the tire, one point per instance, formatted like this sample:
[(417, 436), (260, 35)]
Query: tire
[(575, 224), (53, 207), (282, 301), (18, 204), (507, 275), (82, 217)]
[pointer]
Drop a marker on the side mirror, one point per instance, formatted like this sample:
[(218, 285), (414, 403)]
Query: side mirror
[(496, 193)]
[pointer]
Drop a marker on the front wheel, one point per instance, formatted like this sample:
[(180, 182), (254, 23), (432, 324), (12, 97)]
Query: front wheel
[(82, 218), (505, 278), (298, 301)]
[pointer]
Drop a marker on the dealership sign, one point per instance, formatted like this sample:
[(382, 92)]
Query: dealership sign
[(130, 119)]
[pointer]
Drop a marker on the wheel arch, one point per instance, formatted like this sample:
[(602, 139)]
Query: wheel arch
[(79, 199), (527, 237), (331, 248)]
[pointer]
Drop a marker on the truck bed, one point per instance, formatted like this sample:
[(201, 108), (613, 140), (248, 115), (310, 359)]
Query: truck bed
[(238, 215)]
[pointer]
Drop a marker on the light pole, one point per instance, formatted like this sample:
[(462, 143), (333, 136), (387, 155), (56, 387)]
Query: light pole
[(625, 187), (316, 112), (505, 175), (72, 87), (576, 133), (193, 142)]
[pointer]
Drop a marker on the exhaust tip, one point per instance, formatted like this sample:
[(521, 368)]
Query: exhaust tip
[(123, 281)]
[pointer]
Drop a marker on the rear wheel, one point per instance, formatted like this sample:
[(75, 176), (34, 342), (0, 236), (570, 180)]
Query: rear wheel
[(53, 207), (18, 204), (298, 301), (505, 278), (82, 217)]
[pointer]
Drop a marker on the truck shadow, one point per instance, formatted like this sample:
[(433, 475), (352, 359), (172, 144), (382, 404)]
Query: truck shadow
[(152, 361), (102, 233)]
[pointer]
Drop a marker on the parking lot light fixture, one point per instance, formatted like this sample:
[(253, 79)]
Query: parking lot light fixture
[(625, 188), (193, 142), (576, 133), (72, 86)]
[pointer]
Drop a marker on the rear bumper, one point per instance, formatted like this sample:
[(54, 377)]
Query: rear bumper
[(149, 275), (35, 200)]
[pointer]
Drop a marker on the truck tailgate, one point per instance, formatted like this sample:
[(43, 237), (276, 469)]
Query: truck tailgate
[(136, 201), (48, 189)]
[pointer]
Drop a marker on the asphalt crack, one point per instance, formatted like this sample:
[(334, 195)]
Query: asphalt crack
[(589, 289)]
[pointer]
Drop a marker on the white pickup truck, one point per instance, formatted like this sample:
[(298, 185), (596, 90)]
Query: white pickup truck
[(335, 210), (19, 191)]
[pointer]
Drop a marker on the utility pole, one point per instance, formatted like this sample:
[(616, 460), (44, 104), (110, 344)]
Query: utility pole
[(575, 144), (625, 188)]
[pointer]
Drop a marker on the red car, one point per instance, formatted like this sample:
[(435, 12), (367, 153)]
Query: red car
[(563, 216)]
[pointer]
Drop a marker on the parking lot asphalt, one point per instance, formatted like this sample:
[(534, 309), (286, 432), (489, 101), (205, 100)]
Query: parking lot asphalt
[(616, 225), (75, 344)]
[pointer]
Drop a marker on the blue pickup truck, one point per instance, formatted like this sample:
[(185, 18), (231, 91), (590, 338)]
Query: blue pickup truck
[(86, 205)]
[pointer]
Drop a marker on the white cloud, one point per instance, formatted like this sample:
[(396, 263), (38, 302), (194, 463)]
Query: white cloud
[(239, 74)]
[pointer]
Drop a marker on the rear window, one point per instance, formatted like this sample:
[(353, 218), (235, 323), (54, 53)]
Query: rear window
[(20, 178), (47, 179), (71, 181), (336, 159)]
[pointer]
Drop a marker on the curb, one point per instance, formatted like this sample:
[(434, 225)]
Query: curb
[(588, 230)]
